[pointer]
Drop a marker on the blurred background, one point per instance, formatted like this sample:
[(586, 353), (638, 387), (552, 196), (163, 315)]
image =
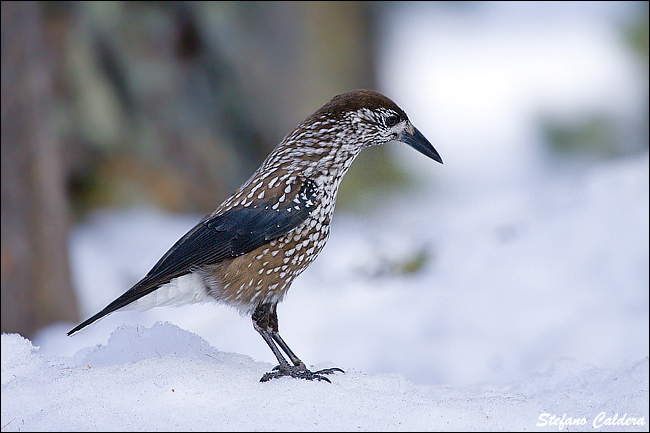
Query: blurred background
[(116, 115)]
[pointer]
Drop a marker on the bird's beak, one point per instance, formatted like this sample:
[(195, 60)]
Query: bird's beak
[(417, 141)]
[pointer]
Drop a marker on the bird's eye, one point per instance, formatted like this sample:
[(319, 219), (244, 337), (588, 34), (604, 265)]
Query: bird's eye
[(392, 121)]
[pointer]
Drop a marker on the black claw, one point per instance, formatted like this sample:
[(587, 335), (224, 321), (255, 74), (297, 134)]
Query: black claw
[(319, 377), (329, 370)]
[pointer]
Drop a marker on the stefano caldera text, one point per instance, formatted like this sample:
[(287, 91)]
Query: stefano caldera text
[(600, 420)]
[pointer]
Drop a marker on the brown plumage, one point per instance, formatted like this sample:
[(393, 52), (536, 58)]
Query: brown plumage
[(249, 250)]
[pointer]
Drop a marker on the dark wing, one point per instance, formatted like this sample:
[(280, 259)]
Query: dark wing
[(230, 234)]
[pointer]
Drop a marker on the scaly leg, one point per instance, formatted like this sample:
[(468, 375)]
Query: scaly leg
[(265, 321)]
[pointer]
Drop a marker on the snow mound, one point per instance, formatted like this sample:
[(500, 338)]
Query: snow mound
[(165, 378)]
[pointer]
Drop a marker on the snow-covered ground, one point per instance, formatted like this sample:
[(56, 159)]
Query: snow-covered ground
[(166, 378), (528, 308)]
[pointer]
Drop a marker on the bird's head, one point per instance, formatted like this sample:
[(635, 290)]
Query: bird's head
[(374, 119), (336, 133)]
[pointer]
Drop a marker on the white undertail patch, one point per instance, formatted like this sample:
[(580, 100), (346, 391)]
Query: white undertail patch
[(183, 290)]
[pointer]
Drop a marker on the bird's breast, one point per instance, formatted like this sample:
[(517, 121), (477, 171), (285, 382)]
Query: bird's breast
[(265, 274)]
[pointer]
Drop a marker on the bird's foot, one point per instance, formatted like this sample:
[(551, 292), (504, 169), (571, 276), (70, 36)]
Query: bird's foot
[(301, 373)]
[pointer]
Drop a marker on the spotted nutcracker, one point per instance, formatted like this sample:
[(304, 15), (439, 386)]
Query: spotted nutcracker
[(249, 250)]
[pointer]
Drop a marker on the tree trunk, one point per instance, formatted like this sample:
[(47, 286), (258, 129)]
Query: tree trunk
[(35, 275)]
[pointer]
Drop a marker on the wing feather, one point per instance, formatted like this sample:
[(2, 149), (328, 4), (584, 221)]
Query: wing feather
[(227, 235)]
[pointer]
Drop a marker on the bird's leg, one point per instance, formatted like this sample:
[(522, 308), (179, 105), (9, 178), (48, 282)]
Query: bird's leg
[(273, 322), (265, 321), (266, 335)]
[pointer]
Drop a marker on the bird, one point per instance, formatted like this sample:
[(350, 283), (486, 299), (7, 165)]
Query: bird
[(249, 250)]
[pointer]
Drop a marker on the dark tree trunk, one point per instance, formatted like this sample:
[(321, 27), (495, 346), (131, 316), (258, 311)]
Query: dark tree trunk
[(35, 276)]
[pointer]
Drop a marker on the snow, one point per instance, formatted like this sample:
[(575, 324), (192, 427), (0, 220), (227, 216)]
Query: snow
[(529, 309), (166, 378)]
